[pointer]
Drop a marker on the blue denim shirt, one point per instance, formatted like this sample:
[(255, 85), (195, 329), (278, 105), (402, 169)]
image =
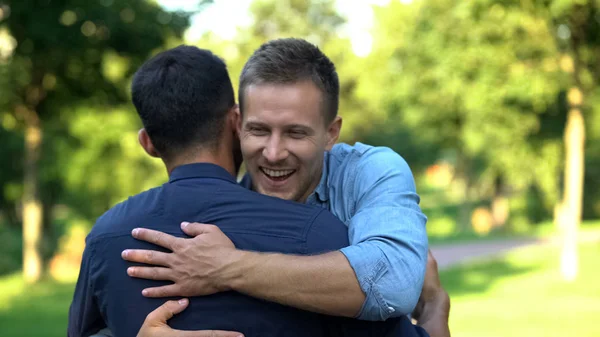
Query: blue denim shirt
[(372, 190)]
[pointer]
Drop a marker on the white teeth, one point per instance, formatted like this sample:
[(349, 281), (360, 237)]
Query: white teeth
[(276, 173)]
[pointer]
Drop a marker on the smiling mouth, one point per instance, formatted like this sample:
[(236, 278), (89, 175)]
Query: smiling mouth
[(277, 175)]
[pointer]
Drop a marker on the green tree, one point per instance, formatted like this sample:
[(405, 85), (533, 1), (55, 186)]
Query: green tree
[(315, 21), (70, 53), (474, 77), (578, 31)]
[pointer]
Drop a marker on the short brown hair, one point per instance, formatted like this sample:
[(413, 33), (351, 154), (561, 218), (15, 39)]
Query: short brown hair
[(290, 60)]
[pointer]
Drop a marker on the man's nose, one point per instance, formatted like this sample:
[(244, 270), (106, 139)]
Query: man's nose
[(275, 150)]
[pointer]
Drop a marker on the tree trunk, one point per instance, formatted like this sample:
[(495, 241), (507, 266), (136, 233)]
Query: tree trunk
[(500, 207), (32, 206), (571, 207)]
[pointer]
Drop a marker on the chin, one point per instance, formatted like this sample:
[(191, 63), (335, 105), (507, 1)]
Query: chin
[(280, 195)]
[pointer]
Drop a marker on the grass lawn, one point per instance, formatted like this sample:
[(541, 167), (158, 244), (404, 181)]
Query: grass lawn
[(517, 295), (39, 310), (522, 294)]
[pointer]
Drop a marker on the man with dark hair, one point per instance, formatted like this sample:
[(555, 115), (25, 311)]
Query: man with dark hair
[(185, 100), (165, 100), (289, 93)]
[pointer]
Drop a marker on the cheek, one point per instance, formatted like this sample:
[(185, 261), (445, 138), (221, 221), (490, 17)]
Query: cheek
[(310, 155), (250, 147)]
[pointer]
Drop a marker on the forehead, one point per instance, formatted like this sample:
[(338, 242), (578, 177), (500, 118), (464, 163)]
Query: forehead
[(282, 104)]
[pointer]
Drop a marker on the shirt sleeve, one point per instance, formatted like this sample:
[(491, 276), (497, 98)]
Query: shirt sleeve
[(85, 318), (387, 233)]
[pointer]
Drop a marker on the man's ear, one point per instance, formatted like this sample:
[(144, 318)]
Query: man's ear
[(333, 132), (146, 143), (237, 119)]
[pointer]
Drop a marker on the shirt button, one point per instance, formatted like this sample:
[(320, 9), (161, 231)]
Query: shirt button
[(391, 309)]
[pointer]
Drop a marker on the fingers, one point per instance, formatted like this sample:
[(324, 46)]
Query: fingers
[(164, 291), (158, 318), (431, 261), (151, 273), (155, 237), (195, 229), (164, 313), (146, 256)]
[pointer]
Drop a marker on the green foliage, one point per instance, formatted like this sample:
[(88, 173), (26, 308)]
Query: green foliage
[(315, 21), (72, 66), (474, 77), (484, 81), (106, 165), (480, 84)]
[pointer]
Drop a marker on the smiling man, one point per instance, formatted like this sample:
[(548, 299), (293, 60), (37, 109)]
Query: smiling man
[(289, 95), (284, 137)]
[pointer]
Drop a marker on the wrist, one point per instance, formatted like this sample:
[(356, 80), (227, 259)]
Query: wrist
[(235, 268)]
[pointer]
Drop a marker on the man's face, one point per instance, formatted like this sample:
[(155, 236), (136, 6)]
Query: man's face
[(284, 136)]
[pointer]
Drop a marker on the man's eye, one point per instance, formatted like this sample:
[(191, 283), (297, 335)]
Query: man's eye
[(297, 133), (258, 131)]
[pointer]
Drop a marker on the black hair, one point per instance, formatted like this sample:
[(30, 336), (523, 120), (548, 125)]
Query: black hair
[(182, 96)]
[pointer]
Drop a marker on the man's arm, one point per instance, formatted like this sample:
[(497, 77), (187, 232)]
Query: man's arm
[(388, 237), (209, 263), (433, 310), (84, 315), (323, 283), (385, 264)]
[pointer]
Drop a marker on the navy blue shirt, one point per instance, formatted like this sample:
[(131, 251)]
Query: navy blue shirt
[(105, 296)]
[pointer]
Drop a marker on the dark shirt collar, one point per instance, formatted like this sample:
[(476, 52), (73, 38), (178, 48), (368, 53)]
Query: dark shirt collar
[(200, 170)]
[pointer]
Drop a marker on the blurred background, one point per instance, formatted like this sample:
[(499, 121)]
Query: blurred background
[(495, 104)]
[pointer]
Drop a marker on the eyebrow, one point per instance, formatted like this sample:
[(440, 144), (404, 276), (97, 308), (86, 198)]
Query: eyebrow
[(256, 124)]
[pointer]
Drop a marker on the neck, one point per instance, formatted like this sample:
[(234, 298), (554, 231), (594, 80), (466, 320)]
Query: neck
[(219, 156)]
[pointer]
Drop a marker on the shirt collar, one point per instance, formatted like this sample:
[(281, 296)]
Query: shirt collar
[(200, 170), (321, 189)]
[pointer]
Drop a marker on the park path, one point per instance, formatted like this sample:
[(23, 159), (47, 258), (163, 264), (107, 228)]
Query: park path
[(451, 254), (455, 253)]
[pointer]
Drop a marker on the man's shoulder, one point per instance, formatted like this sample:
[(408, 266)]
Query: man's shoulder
[(362, 158), (269, 202), (125, 215), (354, 170), (268, 211), (276, 205)]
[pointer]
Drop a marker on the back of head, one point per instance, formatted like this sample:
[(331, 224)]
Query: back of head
[(182, 96), (288, 61)]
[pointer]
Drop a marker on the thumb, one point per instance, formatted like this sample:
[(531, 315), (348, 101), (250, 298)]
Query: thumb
[(195, 229), (166, 311)]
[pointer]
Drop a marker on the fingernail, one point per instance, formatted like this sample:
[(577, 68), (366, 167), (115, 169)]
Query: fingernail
[(124, 253), (182, 301), (129, 271), (135, 231), (145, 292), (184, 224)]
